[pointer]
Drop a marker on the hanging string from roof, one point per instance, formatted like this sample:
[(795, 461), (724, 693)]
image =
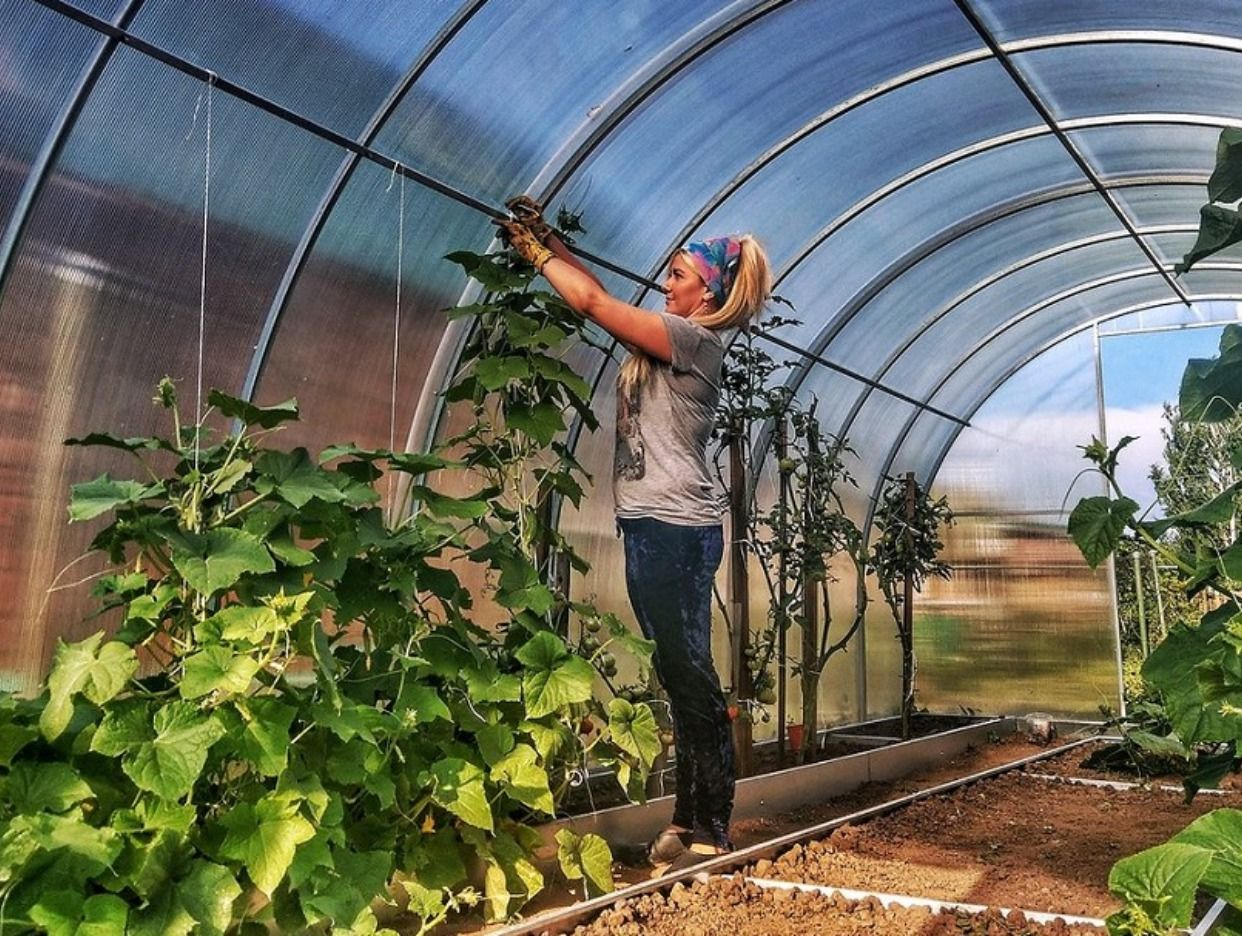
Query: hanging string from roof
[(396, 334), (202, 280)]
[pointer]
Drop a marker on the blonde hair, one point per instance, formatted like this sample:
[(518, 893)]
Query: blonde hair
[(750, 290)]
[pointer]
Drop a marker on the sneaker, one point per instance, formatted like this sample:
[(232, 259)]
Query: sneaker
[(697, 853), (657, 853)]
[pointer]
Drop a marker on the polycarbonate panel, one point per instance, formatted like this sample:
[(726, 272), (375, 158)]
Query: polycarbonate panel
[(709, 121), (104, 9), (1023, 625), (1144, 149), (1172, 316), (1020, 19), (979, 366), (332, 62), (1207, 281), (1157, 205), (103, 300), (844, 264), (993, 308), (1099, 80), (43, 56), (346, 297), (1013, 275), (517, 81), (859, 146)]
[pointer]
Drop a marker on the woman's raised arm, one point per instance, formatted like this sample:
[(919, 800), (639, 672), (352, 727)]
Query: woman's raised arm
[(585, 294)]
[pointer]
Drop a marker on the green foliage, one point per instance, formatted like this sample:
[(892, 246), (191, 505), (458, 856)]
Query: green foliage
[(1219, 226), (1196, 671), (585, 858), (909, 524), (316, 712)]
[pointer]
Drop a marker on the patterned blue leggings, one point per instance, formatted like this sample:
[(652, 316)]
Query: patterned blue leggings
[(669, 571)]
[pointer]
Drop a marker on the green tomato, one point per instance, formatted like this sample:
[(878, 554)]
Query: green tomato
[(766, 696), (592, 625)]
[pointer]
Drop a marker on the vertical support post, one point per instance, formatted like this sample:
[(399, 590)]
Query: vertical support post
[(740, 598), (1138, 594), (907, 616), (810, 670), (782, 597), (1155, 580)]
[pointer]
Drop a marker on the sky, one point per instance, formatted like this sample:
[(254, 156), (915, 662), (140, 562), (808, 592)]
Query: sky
[(1141, 372)]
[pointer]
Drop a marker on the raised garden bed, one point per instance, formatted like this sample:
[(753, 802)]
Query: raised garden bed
[(740, 908), (1014, 841)]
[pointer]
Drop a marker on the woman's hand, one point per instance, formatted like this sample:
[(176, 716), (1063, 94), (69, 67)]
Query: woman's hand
[(530, 213), (527, 245)]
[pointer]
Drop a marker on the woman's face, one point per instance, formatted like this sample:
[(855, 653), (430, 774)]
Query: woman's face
[(684, 290)]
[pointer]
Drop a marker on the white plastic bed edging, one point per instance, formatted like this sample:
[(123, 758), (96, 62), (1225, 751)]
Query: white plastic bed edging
[(903, 900), (1204, 926), (1117, 784)]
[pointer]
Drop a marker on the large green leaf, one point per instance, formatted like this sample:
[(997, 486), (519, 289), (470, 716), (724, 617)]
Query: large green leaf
[(541, 422), (1219, 227), (65, 913), (496, 372), (261, 733), (585, 858), (488, 272), (633, 728), (217, 669), (163, 916), (245, 622), (1097, 525), (216, 560), (170, 761), (98, 846), (521, 776), (97, 497), (97, 672), (1172, 669), (296, 479), (1225, 185), (1221, 832), (459, 788), (1211, 388), (554, 678), (267, 417), (207, 892), (1162, 881), (421, 704), (54, 787), (263, 837)]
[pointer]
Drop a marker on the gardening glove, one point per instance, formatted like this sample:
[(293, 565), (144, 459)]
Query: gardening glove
[(530, 213), (519, 237)]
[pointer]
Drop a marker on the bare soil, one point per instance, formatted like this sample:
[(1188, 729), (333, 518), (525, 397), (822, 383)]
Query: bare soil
[(1012, 841), (723, 907)]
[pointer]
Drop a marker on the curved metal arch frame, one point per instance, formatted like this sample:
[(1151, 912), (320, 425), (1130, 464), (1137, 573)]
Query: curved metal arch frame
[(838, 322), (938, 462), (57, 137), (344, 173), (624, 101), (1060, 40), (980, 345), (991, 280)]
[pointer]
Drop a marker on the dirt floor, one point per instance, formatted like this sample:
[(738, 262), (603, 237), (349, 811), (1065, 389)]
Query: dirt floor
[(1012, 841), (720, 907)]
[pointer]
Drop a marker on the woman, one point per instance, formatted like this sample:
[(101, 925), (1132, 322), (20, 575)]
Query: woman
[(666, 504)]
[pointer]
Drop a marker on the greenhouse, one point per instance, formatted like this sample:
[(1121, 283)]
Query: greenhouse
[(319, 456)]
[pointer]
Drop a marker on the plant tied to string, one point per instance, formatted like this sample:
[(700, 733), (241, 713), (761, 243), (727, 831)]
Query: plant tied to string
[(297, 713)]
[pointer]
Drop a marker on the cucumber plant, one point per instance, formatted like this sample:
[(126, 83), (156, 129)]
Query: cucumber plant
[(296, 713)]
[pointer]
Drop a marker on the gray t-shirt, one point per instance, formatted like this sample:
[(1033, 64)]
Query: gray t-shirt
[(660, 469)]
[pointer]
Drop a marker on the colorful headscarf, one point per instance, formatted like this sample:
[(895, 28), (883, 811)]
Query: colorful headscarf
[(715, 260)]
